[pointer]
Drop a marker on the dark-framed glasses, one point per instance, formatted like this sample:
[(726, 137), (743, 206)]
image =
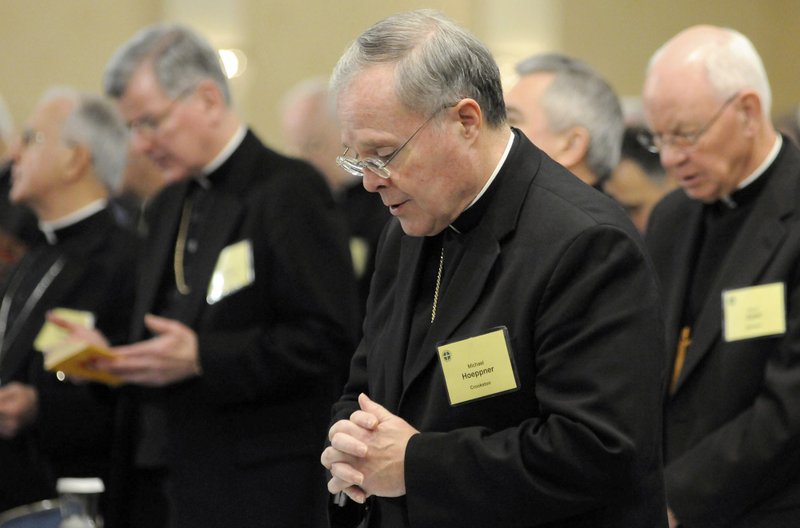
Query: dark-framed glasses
[(655, 143), (356, 167)]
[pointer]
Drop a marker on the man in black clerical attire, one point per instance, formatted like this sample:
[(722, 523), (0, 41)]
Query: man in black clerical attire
[(244, 318), (71, 152), (726, 247)]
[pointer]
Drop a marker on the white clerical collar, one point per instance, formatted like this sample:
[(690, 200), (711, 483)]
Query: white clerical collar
[(49, 228), (492, 177), (761, 169), (226, 152)]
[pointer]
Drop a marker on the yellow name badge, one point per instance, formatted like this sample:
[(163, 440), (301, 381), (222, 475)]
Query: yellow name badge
[(234, 271), (478, 367), (755, 311), (52, 334)]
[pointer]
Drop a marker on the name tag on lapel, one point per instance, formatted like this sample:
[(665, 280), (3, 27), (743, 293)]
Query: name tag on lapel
[(755, 311), (478, 367), (234, 271)]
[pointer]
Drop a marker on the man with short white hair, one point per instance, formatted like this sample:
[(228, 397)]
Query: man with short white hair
[(70, 156), (726, 246)]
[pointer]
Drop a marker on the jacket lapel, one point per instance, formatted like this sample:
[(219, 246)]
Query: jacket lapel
[(408, 273), (63, 281), (158, 252), (675, 292), (223, 217), (759, 239), (483, 248), (460, 297)]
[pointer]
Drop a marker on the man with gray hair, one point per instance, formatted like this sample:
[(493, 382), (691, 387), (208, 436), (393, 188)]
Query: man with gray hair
[(568, 110), (245, 313), (71, 154), (311, 130), (511, 368), (726, 246)]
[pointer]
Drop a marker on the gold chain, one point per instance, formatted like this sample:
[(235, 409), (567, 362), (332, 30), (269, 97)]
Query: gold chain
[(180, 248), (438, 283)]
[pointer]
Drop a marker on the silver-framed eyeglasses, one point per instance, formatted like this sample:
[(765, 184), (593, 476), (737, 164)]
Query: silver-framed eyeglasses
[(655, 143), (148, 125), (356, 167)]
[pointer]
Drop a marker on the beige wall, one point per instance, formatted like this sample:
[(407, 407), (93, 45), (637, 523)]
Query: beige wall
[(43, 42)]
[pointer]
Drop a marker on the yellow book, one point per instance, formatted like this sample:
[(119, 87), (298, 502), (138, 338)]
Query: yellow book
[(75, 358)]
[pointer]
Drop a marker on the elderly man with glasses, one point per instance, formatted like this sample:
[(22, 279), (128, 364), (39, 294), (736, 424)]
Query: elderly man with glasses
[(511, 368), (244, 320), (726, 246)]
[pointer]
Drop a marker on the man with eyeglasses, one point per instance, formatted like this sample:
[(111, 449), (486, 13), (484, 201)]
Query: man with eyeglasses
[(511, 367), (70, 157), (245, 314), (726, 247)]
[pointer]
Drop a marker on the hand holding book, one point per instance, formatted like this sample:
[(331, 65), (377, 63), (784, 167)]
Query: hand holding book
[(71, 345)]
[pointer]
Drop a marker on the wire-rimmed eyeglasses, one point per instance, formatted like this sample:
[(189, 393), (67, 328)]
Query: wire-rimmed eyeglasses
[(655, 143), (356, 167), (148, 125)]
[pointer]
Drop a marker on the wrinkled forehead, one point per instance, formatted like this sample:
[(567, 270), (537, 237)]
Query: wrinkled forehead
[(670, 89), (369, 100)]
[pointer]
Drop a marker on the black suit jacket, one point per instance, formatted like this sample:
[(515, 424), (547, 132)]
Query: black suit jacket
[(561, 267), (72, 434), (733, 424), (243, 439)]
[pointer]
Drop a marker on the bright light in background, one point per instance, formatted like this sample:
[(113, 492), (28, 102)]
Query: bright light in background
[(234, 62)]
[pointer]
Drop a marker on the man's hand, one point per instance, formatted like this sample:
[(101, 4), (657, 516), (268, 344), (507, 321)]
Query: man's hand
[(79, 332), (19, 405), (673, 521), (169, 357), (367, 453)]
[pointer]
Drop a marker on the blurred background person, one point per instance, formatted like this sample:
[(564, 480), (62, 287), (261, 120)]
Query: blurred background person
[(568, 110), (639, 181), (726, 248), (245, 317), (69, 157), (17, 223), (141, 181), (311, 131)]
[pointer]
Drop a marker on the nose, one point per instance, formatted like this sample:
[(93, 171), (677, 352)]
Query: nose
[(372, 182), (141, 143), (672, 156)]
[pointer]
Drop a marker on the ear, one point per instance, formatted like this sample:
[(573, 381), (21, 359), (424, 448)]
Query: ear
[(749, 110), (210, 97), (78, 163), (470, 117), (574, 147)]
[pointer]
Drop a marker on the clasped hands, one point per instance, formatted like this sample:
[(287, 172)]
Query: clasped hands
[(366, 455), (168, 357)]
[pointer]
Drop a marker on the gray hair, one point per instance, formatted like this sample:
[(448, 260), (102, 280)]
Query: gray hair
[(732, 64), (95, 123), (313, 88), (579, 96), (180, 57), (437, 62)]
